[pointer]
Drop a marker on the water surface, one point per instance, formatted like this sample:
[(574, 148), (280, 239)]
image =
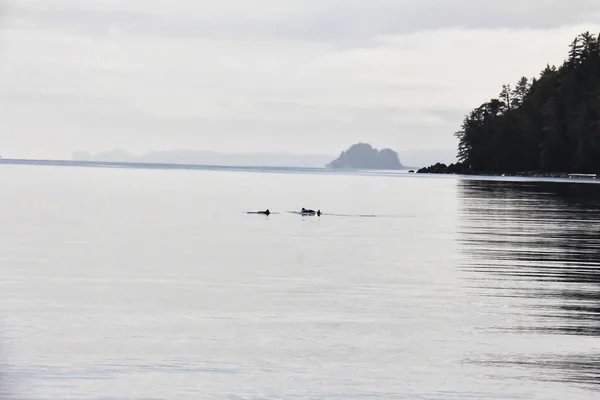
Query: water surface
[(155, 284)]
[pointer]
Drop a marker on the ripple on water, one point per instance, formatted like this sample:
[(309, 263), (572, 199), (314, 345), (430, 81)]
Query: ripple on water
[(535, 246)]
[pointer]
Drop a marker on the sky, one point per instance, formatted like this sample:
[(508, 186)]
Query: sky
[(310, 76)]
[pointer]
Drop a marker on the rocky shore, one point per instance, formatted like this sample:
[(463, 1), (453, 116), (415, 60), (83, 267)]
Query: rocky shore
[(464, 169), (441, 168)]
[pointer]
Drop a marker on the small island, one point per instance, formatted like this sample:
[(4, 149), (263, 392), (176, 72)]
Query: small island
[(364, 156), (545, 126)]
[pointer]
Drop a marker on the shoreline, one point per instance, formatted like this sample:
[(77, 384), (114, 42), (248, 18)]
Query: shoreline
[(464, 169), (440, 169), (560, 175)]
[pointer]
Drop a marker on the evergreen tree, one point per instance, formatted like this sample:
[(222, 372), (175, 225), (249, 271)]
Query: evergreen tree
[(551, 123)]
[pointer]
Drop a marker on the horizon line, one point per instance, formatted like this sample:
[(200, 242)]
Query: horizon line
[(98, 163)]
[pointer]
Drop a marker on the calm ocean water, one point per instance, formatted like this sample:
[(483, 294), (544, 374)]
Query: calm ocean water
[(121, 283)]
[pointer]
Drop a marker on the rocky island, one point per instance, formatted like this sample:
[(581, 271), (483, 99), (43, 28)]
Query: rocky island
[(364, 156)]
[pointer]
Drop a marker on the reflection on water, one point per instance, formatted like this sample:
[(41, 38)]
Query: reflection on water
[(535, 246), (116, 285)]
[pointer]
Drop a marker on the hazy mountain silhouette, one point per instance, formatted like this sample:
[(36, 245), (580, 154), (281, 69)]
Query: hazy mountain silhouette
[(413, 158), (363, 155), (199, 157)]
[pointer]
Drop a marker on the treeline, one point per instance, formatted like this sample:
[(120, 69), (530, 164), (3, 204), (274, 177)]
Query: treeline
[(551, 123)]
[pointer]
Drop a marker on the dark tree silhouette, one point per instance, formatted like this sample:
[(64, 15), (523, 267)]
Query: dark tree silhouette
[(551, 123)]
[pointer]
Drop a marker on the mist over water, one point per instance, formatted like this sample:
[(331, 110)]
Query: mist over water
[(133, 283)]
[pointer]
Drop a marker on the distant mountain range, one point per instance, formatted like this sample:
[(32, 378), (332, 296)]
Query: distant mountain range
[(200, 157), (409, 159)]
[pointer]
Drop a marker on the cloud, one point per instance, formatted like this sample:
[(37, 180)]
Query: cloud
[(264, 75), (332, 21)]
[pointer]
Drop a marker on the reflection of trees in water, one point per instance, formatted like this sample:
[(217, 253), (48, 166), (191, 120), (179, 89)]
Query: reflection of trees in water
[(581, 369), (538, 241)]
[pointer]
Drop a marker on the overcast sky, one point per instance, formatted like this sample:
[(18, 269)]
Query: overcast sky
[(264, 75)]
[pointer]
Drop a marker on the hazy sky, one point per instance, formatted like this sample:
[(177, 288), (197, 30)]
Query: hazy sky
[(264, 75)]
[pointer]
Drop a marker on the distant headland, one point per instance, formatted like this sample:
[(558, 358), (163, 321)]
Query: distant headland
[(385, 159), (364, 156), (545, 126), (416, 158), (205, 157)]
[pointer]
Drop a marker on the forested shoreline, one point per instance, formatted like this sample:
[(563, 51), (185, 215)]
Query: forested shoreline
[(549, 124)]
